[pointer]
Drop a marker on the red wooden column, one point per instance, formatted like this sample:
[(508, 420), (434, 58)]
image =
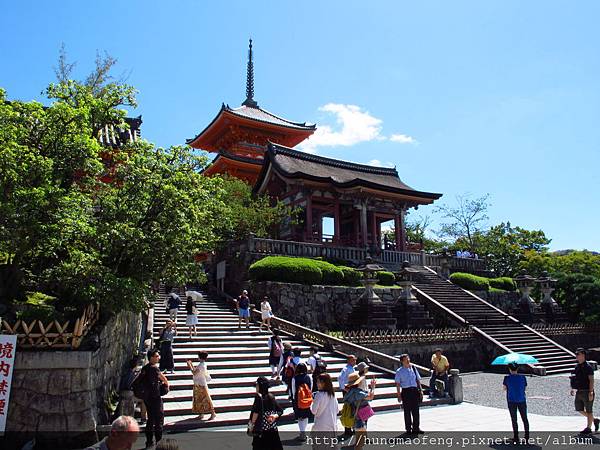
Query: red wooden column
[(398, 228), (309, 219), (363, 223), (373, 229), (336, 222)]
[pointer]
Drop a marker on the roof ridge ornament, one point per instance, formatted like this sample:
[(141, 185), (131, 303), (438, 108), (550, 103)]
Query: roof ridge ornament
[(250, 102)]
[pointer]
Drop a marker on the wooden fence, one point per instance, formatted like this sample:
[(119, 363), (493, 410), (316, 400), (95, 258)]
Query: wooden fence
[(53, 335), (420, 336)]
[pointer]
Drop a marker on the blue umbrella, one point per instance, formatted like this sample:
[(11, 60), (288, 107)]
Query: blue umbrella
[(518, 358)]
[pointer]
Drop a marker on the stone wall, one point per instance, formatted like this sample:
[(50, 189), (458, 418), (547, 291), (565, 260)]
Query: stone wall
[(506, 301), (466, 355), (63, 394), (316, 307)]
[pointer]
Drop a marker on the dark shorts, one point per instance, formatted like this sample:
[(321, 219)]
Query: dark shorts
[(583, 402)]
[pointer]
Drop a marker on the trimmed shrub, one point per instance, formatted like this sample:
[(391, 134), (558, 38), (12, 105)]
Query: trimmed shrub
[(504, 283), (332, 275), (352, 276), (470, 282), (386, 278), (287, 270)]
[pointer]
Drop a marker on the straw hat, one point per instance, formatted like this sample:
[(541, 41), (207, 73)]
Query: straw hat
[(354, 379)]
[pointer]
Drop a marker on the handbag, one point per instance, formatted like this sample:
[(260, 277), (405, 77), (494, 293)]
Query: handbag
[(163, 389), (365, 412), (419, 384)]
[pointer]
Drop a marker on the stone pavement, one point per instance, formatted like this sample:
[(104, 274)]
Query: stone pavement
[(465, 417)]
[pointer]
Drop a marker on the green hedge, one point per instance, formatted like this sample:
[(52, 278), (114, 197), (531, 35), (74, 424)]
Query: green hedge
[(302, 270), (352, 276), (503, 283), (286, 269), (386, 278), (470, 282)]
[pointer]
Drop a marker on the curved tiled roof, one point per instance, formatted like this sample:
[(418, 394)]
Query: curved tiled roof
[(296, 164), (266, 116)]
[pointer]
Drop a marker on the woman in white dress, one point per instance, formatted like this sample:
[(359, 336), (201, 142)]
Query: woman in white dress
[(325, 409), (266, 312), (192, 316)]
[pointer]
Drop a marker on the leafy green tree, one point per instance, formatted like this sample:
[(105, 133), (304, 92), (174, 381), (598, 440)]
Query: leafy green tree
[(87, 223), (505, 246)]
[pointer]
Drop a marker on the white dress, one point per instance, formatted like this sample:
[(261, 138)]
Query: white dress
[(265, 310)]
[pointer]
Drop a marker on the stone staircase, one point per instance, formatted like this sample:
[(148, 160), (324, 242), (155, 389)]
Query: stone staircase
[(496, 326), (236, 358)]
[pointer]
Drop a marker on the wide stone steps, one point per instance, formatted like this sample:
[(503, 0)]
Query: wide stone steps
[(494, 324), (236, 358)]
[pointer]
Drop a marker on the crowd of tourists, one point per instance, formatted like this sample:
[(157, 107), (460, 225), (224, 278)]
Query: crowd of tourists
[(310, 388)]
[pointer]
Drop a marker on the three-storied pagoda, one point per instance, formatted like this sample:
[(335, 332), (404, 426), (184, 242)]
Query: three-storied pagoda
[(255, 145)]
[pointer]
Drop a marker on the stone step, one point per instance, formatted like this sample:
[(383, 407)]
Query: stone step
[(187, 347), (182, 372), (182, 407), (247, 363), (249, 359), (190, 421)]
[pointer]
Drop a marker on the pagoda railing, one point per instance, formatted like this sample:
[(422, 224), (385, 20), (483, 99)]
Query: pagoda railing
[(358, 255), (425, 335)]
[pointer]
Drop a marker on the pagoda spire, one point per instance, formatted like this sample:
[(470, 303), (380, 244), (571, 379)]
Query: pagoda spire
[(250, 102)]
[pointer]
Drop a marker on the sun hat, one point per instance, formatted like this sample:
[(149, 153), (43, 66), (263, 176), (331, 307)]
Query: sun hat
[(354, 379)]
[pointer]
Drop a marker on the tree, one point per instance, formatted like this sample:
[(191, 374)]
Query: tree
[(465, 220), (504, 247), (87, 223)]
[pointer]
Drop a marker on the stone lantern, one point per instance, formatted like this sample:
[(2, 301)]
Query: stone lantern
[(547, 284), (371, 312), (369, 281), (525, 284), (444, 263), (407, 277)]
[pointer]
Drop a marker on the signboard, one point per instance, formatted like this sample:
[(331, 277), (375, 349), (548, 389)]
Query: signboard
[(8, 345), (221, 270)]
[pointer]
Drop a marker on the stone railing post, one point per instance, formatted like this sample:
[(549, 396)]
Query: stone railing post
[(456, 386), (251, 242), (422, 257)]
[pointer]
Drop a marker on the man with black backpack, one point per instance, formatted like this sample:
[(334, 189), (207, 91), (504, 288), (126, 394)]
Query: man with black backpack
[(316, 366), (150, 385)]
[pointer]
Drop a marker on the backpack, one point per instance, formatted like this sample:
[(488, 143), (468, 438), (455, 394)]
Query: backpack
[(304, 396), (321, 366), (276, 348), (138, 385), (347, 418), (289, 369)]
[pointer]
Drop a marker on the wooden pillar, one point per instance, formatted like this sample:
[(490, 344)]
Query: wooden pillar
[(336, 222), (373, 229), (363, 223), (355, 222), (309, 219), (320, 225), (398, 228), (402, 231)]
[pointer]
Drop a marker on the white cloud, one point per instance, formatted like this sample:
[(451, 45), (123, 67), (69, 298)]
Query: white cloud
[(403, 139), (376, 162), (354, 125)]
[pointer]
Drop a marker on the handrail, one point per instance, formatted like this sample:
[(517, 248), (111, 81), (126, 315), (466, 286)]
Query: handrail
[(474, 296), (340, 346), (447, 310)]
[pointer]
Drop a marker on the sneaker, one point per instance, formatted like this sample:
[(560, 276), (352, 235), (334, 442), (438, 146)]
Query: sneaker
[(596, 424), (586, 430)]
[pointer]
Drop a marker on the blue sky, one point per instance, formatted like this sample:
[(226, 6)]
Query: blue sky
[(498, 97)]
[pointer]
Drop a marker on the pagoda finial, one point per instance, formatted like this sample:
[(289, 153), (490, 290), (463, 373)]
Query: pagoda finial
[(250, 102)]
